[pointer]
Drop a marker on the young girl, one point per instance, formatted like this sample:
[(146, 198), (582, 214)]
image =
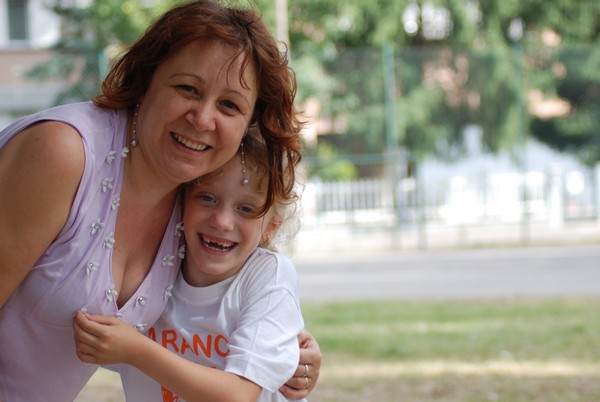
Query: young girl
[(234, 305)]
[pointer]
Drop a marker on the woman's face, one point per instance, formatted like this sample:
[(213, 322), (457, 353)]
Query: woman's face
[(195, 111)]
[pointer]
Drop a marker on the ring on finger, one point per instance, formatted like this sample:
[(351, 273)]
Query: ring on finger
[(305, 371), (307, 382)]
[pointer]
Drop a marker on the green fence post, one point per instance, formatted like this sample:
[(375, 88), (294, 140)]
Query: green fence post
[(393, 159)]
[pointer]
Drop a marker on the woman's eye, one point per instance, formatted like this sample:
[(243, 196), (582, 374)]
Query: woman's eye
[(187, 89), (230, 105), (246, 209)]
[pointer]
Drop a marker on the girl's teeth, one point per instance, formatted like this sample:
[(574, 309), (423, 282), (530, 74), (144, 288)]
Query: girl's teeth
[(218, 245)]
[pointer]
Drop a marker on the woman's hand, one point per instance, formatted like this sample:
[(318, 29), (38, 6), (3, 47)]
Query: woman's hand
[(307, 374), (104, 340)]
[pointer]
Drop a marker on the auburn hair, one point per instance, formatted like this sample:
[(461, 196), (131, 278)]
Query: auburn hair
[(274, 115)]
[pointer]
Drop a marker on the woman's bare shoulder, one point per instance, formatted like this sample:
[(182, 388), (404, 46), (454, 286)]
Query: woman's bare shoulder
[(46, 156), (40, 171), (48, 141)]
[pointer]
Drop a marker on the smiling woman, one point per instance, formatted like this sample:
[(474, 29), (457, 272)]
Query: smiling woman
[(192, 114), (89, 213)]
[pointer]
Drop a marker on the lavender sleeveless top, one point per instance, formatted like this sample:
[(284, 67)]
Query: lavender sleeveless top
[(37, 351)]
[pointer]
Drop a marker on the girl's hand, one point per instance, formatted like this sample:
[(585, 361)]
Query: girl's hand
[(307, 374), (104, 340)]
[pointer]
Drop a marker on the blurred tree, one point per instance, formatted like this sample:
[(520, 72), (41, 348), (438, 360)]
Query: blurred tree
[(458, 62), (447, 72), (330, 166), (567, 59), (89, 32), (575, 74)]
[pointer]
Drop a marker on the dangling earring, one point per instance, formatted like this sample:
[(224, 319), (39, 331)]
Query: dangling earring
[(245, 180), (134, 140)]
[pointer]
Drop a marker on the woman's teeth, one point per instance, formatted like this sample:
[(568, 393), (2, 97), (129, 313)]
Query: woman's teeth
[(189, 144)]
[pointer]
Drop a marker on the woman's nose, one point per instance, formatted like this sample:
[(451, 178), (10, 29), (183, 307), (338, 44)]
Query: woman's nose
[(203, 117)]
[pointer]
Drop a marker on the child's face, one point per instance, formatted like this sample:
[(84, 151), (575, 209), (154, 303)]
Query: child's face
[(221, 228)]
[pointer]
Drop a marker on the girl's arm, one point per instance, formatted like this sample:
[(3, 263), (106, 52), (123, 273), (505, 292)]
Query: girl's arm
[(40, 170), (108, 340)]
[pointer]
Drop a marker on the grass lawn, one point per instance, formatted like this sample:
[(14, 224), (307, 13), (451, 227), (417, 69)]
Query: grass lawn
[(504, 350), (516, 350)]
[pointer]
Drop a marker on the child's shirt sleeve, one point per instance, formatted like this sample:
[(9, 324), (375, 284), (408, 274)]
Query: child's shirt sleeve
[(264, 346)]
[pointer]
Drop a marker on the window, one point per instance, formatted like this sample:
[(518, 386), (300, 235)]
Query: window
[(17, 20)]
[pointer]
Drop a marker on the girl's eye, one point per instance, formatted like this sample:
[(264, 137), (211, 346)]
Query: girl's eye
[(206, 198)]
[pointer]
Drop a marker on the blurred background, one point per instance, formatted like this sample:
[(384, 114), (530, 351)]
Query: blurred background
[(429, 123), (432, 125)]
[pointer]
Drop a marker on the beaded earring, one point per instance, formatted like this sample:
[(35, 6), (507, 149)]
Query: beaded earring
[(245, 180), (134, 140)]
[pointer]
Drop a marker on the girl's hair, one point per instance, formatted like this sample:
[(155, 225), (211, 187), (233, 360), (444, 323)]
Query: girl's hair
[(256, 162), (274, 115), (284, 203)]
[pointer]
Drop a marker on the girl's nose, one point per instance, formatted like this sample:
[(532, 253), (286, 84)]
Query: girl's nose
[(223, 219)]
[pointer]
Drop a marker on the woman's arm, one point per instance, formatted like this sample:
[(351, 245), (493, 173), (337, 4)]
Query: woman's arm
[(298, 386), (108, 340), (40, 170)]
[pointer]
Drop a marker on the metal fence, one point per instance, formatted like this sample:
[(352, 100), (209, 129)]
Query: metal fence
[(472, 209), (462, 198)]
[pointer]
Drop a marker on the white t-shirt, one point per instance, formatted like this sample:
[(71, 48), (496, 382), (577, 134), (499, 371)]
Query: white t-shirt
[(247, 325)]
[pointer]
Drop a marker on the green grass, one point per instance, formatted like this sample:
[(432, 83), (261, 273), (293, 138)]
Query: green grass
[(503, 350)]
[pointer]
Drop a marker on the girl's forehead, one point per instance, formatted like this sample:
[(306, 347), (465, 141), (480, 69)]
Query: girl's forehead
[(231, 168), (233, 171)]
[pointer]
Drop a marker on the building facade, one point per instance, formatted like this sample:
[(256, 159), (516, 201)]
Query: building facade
[(28, 30)]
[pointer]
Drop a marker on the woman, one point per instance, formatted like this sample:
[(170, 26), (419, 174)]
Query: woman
[(89, 213)]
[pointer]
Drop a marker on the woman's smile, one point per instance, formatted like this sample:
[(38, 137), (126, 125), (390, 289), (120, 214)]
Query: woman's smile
[(189, 143)]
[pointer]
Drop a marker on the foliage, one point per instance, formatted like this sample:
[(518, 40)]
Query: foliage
[(89, 32), (488, 72), (329, 167), (574, 73), (472, 68)]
